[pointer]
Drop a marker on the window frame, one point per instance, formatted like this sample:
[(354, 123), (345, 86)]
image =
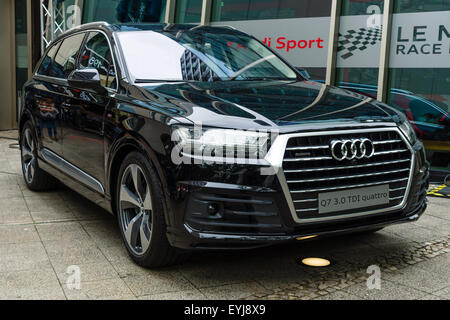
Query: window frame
[(83, 45), (78, 52), (38, 67), (60, 40)]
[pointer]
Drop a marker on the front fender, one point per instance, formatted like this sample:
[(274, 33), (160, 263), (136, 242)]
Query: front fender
[(132, 141)]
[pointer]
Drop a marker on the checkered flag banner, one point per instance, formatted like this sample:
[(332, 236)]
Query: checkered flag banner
[(357, 40)]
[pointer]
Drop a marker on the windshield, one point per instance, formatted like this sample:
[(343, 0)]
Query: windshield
[(199, 56)]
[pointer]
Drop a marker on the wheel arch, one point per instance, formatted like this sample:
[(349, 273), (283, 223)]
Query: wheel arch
[(124, 146), (24, 117)]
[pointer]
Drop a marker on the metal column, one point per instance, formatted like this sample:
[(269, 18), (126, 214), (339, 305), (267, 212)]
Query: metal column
[(383, 73), (206, 12), (332, 42), (170, 11), (53, 21)]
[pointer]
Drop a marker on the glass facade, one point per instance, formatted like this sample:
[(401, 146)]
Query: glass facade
[(188, 11), (359, 45), (123, 11), (358, 7), (296, 29), (423, 93), (235, 10), (408, 6)]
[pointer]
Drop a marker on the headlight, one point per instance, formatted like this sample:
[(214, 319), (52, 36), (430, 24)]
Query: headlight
[(408, 131), (219, 144)]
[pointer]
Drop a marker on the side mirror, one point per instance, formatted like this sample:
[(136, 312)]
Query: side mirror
[(304, 73), (88, 79)]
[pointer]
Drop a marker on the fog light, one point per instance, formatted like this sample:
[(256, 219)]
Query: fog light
[(316, 262)]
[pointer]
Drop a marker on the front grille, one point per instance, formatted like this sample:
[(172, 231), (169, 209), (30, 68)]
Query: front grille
[(310, 169)]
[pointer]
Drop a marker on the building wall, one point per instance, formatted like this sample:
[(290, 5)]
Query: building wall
[(7, 69)]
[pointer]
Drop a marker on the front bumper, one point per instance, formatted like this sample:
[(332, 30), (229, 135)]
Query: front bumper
[(213, 215)]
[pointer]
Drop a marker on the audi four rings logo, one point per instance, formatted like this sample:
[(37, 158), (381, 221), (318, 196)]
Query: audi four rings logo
[(352, 149)]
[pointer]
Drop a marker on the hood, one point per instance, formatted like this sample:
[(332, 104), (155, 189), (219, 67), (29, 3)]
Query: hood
[(256, 104)]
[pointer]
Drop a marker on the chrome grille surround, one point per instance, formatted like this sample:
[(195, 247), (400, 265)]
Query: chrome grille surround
[(276, 157)]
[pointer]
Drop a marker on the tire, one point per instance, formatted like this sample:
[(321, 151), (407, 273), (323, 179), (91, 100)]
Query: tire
[(141, 215), (35, 178)]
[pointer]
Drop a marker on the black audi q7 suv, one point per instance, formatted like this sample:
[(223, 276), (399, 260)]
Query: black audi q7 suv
[(199, 137)]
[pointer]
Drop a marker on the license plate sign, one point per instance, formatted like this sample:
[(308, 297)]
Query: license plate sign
[(353, 199)]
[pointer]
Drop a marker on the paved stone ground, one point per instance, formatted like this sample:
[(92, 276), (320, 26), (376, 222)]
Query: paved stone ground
[(42, 234)]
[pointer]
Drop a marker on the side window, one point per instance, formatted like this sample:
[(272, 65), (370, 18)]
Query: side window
[(66, 58), (97, 54), (47, 61)]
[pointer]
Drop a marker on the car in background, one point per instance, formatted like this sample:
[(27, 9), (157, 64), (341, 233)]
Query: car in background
[(430, 122)]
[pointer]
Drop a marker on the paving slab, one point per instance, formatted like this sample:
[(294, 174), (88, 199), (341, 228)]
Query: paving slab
[(10, 234), (444, 293), (89, 272), (232, 291), (62, 232), (110, 289), (180, 295), (156, 282), (23, 256), (417, 277), (14, 211), (39, 284), (339, 295), (388, 291), (65, 254)]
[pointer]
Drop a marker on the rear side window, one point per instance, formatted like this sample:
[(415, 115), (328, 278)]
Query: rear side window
[(47, 61), (66, 59), (97, 54)]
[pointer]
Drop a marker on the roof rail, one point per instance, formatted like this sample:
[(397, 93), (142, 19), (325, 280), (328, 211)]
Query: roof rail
[(229, 27), (95, 23), (80, 27)]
